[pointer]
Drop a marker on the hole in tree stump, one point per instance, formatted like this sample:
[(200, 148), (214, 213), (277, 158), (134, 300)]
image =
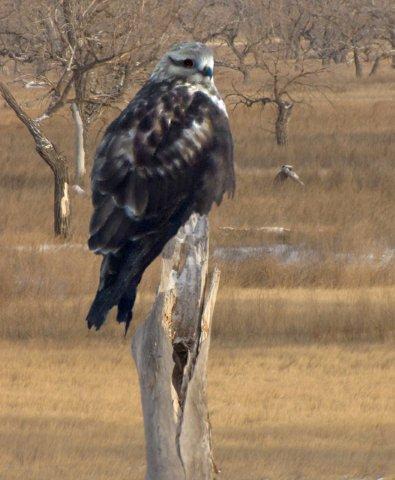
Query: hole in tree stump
[(181, 351)]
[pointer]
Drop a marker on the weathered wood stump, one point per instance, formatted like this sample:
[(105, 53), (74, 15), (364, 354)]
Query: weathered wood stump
[(171, 351)]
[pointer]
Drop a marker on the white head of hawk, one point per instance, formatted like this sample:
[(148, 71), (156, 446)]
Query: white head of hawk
[(192, 61), (169, 154)]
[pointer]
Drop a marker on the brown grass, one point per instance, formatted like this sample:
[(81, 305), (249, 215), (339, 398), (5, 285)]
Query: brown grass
[(301, 365), (280, 412)]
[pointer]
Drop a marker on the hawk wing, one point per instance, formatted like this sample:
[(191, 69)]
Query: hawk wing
[(171, 145)]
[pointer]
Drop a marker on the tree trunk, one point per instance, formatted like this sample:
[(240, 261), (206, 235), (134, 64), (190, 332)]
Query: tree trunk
[(246, 74), (284, 110), (53, 159), (170, 350), (392, 40), (357, 63), (79, 146), (61, 201), (340, 56), (375, 66)]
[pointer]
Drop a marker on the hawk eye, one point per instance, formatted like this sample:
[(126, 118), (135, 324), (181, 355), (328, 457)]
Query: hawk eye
[(188, 63)]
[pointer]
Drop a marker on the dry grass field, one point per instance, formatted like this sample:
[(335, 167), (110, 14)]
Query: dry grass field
[(280, 412), (302, 364)]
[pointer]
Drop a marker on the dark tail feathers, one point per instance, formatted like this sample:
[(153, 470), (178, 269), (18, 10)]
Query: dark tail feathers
[(122, 287), (126, 303), (124, 278), (120, 277)]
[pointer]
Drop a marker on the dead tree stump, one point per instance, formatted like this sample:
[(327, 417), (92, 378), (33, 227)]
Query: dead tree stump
[(170, 350)]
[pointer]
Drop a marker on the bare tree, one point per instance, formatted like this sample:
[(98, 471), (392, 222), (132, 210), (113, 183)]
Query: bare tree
[(48, 152), (357, 23), (285, 83), (241, 36), (229, 24), (87, 52), (383, 45), (360, 29), (325, 38), (290, 20), (203, 20)]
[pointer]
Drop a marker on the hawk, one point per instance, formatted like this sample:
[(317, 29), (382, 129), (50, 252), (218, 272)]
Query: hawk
[(287, 171), (169, 154)]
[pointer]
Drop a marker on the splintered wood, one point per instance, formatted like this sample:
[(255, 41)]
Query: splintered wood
[(170, 350)]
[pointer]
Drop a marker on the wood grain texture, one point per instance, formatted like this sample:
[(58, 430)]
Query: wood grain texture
[(170, 350)]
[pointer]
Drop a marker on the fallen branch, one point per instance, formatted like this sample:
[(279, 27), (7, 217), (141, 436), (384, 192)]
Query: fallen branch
[(279, 230)]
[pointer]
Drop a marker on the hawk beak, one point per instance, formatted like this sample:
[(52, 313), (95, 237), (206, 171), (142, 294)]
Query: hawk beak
[(207, 71)]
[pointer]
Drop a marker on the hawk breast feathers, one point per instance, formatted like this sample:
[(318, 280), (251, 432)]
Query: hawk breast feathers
[(172, 144)]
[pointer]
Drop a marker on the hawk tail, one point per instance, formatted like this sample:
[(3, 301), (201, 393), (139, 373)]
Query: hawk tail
[(126, 303), (121, 274), (118, 285)]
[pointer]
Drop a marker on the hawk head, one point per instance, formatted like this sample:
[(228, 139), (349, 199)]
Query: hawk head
[(189, 61)]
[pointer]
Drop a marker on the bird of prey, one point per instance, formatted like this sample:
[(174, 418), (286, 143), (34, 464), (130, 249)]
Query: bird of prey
[(287, 171), (169, 154)]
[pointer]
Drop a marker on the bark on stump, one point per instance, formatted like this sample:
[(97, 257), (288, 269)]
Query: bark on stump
[(170, 350)]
